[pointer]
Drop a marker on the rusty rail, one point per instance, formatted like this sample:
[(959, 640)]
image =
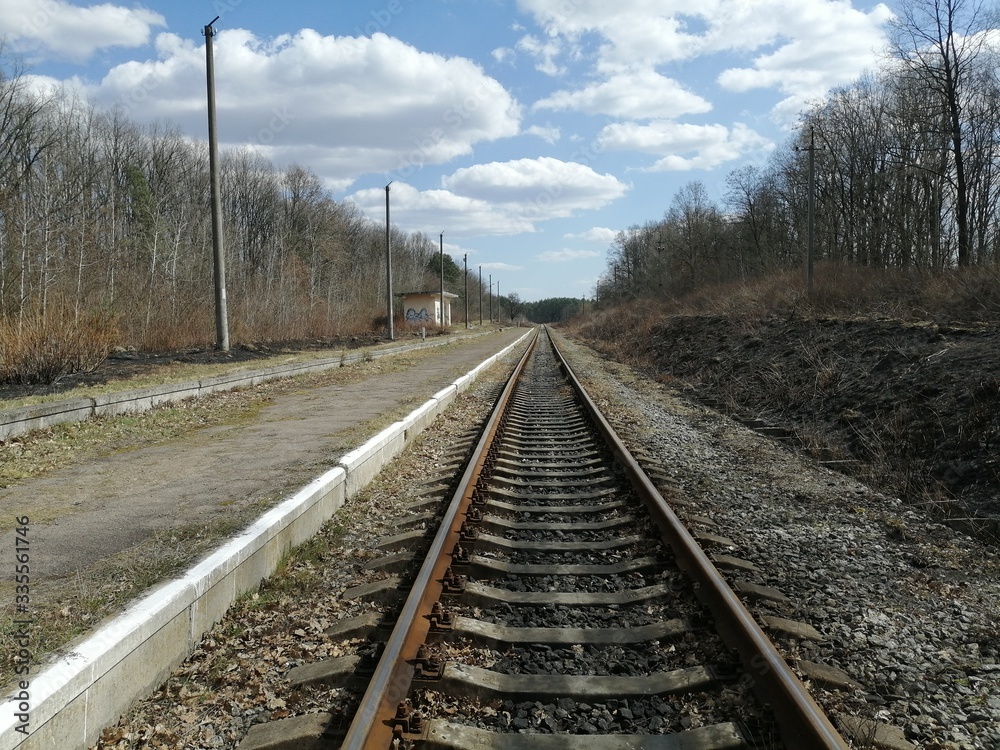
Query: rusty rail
[(802, 723), (372, 726)]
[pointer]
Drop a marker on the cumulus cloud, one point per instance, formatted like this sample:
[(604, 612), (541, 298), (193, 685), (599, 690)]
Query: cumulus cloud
[(638, 94), (499, 199), (74, 32), (543, 52), (313, 94), (600, 235), (543, 188), (547, 133), (503, 55), (685, 146), (429, 210), (827, 45), (800, 47)]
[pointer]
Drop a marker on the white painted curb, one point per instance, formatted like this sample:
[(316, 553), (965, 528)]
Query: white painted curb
[(87, 689)]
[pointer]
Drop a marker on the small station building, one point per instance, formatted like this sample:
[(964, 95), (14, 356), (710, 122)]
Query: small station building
[(427, 308)]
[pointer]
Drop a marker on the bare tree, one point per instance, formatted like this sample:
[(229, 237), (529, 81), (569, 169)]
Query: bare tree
[(941, 43)]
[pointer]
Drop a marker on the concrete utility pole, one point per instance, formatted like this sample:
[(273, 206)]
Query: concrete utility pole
[(480, 296), (388, 267), (491, 299), (811, 209), (499, 300), (466, 259), (442, 278), (810, 206), (219, 275)]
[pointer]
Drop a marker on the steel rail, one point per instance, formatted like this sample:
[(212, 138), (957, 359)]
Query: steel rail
[(390, 684), (801, 722)]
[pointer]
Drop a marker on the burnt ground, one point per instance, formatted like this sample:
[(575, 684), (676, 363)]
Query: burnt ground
[(126, 364), (911, 408)]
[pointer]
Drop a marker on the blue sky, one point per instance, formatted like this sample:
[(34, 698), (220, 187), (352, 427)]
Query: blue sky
[(529, 132)]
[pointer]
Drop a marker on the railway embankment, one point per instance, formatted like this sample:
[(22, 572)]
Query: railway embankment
[(911, 407)]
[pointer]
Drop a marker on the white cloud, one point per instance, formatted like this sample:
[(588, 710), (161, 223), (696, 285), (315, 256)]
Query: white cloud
[(542, 188), (684, 146), (638, 94), (548, 134), (824, 45), (600, 235), (503, 55), (75, 32), (496, 199), (428, 211), (345, 105), (544, 53), (565, 255), (800, 47)]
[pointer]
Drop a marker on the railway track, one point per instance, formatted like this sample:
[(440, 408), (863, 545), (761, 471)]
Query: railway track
[(563, 604)]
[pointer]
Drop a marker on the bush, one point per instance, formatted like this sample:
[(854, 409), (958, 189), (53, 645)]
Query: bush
[(43, 347)]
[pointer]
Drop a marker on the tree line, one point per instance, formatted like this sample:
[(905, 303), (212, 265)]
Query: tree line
[(105, 222), (905, 174)]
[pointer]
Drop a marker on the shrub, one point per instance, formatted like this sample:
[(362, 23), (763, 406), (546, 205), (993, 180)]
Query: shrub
[(43, 347)]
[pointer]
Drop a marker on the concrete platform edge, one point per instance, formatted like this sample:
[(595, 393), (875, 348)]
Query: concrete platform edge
[(98, 679)]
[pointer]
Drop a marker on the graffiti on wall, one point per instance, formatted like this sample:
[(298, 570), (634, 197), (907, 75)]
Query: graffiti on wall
[(412, 316)]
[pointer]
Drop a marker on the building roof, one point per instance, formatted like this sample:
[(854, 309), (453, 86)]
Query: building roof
[(434, 293)]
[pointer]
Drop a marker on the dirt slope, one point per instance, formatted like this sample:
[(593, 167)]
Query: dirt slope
[(911, 407)]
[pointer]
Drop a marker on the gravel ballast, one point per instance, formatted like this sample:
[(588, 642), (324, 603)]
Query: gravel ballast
[(906, 605)]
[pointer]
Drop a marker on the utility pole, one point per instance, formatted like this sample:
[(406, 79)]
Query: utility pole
[(811, 209), (442, 279), (499, 300), (491, 299), (810, 206), (388, 266), (465, 258), (480, 296), (219, 276)]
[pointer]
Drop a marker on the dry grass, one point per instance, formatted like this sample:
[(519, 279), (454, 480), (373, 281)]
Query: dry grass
[(956, 296), (175, 372), (959, 297), (43, 347)]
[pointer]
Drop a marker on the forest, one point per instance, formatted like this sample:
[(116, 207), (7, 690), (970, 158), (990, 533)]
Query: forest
[(106, 241), (899, 171)]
